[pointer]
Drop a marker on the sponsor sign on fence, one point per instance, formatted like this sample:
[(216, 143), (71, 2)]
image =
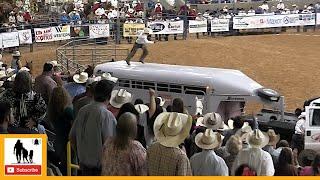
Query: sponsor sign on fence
[(130, 29), (318, 18), (197, 26), (43, 34), (10, 39), (271, 21), (79, 31), (25, 36), (60, 33), (219, 25), (99, 30), (166, 27)]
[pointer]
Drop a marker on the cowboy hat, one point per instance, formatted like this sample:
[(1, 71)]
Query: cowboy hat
[(162, 101), (16, 54), (302, 115), (120, 97), (141, 108), (210, 120), (54, 63), (171, 128), (107, 76), (273, 137), (306, 155), (208, 139), (80, 78), (1, 83), (130, 11), (257, 139), (230, 124), (99, 12), (10, 71), (24, 69), (2, 74)]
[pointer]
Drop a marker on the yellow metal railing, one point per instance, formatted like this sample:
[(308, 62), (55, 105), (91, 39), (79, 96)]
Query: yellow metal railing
[(70, 166)]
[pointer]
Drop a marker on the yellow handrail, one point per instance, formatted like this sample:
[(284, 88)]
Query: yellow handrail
[(70, 166)]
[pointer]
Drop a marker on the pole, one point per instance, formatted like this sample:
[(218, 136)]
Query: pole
[(145, 2), (118, 25)]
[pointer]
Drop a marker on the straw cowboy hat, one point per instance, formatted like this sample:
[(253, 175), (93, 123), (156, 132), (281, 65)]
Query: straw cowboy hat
[(273, 137), (16, 54), (162, 101), (120, 97), (107, 76), (171, 128), (10, 71), (80, 78), (24, 69), (208, 139), (210, 120), (257, 138), (2, 74), (141, 108)]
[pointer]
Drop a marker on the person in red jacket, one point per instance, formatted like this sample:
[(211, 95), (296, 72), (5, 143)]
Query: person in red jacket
[(158, 8), (192, 14), (138, 7), (27, 16), (95, 6)]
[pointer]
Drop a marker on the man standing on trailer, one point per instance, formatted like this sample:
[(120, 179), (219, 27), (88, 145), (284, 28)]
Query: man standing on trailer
[(141, 42)]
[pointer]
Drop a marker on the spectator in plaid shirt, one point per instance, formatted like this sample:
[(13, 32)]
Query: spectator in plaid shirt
[(165, 158)]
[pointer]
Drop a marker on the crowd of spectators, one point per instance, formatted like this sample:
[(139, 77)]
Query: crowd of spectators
[(113, 132)]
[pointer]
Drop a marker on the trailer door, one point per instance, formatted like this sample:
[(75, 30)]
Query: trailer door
[(312, 124)]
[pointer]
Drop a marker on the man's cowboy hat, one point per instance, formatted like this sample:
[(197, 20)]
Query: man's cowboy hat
[(208, 139), (16, 54), (171, 128), (257, 138), (120, 97), (12, 78), (230, 124), (141, 108), (1, 83), (130, 10), (107, 76), (99, 12), (24, 69), (273, 137), (162, 101), (80, 78), (302, 115), (210, 120), (10, 71), (2, 74), (54, 63)]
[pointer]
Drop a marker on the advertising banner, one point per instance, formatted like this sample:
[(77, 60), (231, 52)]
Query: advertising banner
[(271, 21), (166, 27), (43, 34), (10, 39), (61, 33), (196, 26), (318, 18), (219, 25), (79, 31), (131, 29), (25, 36), (1, 45), (99, 30)]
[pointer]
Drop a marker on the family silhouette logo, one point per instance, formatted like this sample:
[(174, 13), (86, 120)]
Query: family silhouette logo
[(23, 156)]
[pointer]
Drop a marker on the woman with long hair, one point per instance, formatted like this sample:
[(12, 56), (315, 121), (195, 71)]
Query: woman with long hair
[(28, 106), (314, 169), (122, 155), (285, 165), (60, 116)]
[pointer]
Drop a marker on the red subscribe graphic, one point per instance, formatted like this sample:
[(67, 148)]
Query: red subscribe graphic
[(23, 170)]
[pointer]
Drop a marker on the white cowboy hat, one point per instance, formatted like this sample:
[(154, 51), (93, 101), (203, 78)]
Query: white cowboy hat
[(12, 78), (24, 69), (257, 138), (54, 63), (1, 83), (244, 131), (100, 12), (103, 1), (107, 76), (16, 54), (141, 108), (120, 97), (162, 101), (2, 74), (208, 139), (80, 78), (302, 115), (273, 137), (171, 128), (294, 5), (210, 120), (130, 10), (10, 71)]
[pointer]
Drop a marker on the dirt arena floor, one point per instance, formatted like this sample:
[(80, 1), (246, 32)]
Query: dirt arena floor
[(288, 63)]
